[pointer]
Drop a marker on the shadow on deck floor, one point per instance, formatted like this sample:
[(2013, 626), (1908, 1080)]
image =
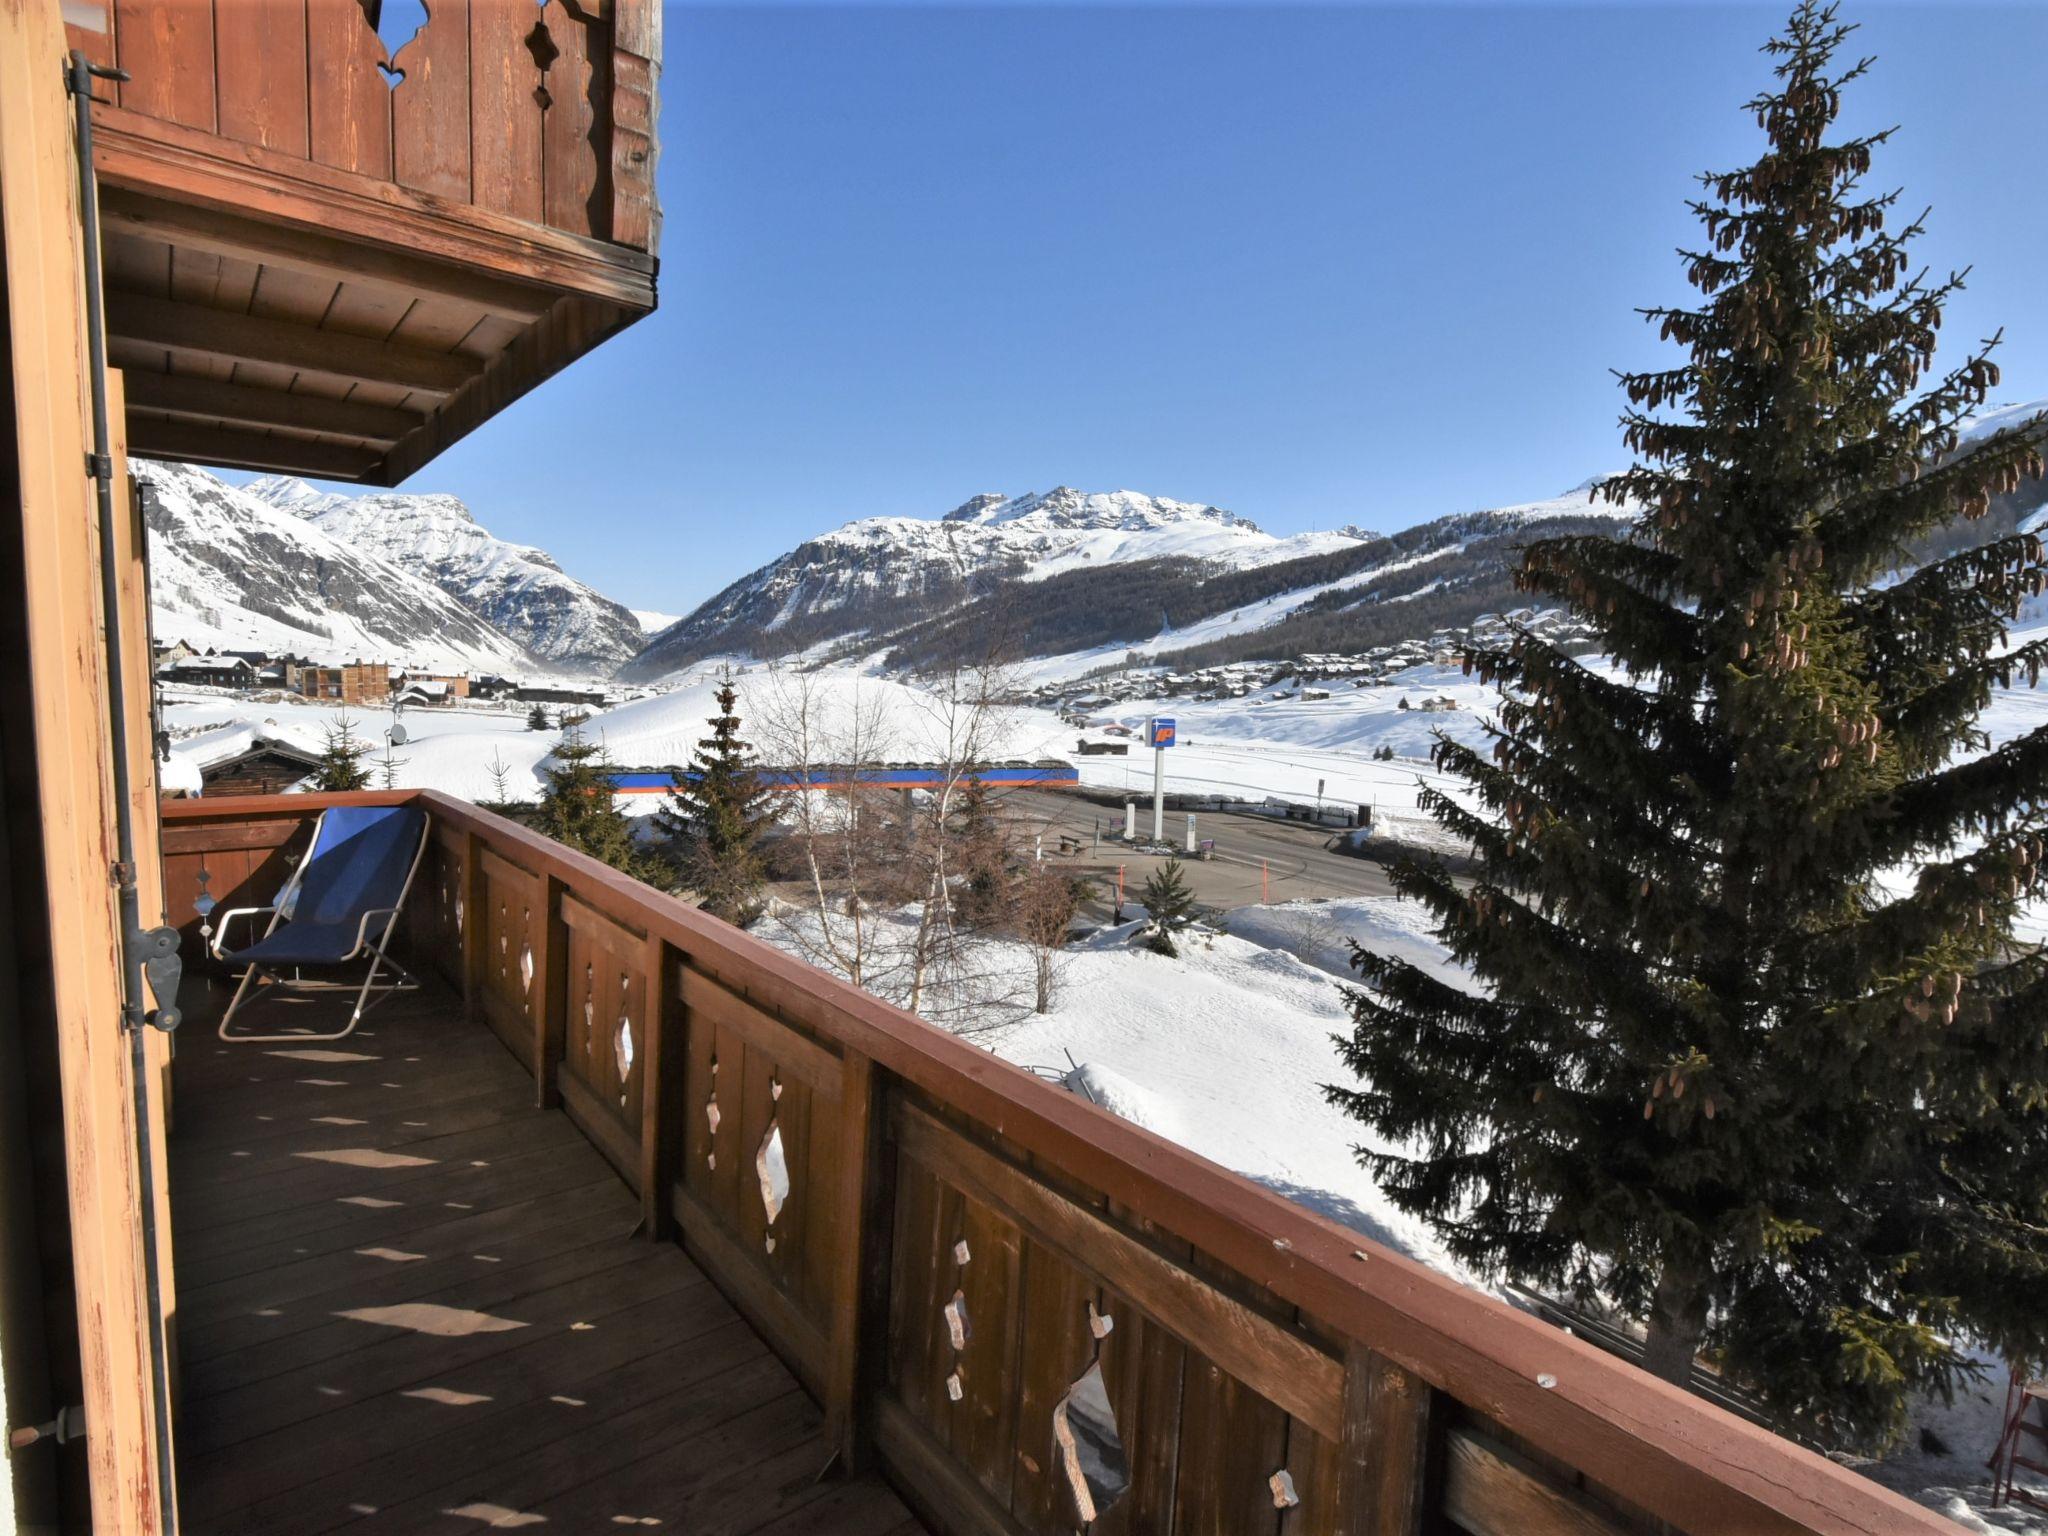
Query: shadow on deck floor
[(408, 1301)]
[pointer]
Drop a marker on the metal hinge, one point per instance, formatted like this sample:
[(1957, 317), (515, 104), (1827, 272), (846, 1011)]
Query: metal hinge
[(69, 1425), (156, 951), (100, 466)]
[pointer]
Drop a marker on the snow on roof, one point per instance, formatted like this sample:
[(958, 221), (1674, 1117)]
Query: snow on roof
[(211, 748)]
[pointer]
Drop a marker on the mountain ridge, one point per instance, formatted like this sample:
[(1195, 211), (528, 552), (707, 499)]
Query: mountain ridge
[(1075, 573)]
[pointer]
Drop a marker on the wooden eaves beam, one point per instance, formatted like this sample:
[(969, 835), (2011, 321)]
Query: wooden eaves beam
[(243, 405), (154, 437), (218, 233), (230, 337)]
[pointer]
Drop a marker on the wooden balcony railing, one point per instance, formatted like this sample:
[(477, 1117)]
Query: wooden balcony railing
[(960, 1243), (539, 112)]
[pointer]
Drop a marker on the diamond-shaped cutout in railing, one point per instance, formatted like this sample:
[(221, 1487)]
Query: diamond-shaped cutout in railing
[(771, 1166), (622, 1048), (711, 1114), (526, 968), (1091, 1453)]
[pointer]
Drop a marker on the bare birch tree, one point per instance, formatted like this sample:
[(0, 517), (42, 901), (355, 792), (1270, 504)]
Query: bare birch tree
[(1043, 909), (836, 828), (961, 730)]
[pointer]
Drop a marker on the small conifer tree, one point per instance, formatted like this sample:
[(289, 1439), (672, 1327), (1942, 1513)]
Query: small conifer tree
[(344, 764), (982, 855), (537, 718), (716, 813), (1169, 906), (578, 805), (1728, 1069)]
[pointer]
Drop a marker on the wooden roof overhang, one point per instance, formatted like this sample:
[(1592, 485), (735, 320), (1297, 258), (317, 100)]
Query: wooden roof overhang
[(344, 281)]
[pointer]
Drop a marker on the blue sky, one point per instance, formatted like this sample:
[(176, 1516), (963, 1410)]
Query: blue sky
[(1317, 264)]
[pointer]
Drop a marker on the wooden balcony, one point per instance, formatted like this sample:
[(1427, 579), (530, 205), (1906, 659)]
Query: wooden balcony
[(960, 1245), (326, 257), (404, 1288)]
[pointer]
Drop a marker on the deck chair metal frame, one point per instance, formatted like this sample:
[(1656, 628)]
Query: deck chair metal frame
[(280, 912)]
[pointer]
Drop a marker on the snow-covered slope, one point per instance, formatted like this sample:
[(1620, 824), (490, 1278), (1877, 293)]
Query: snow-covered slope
[(231, 571), (517, 588)]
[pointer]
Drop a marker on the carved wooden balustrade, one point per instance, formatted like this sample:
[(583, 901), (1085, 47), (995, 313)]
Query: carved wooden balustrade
[(1034, 1315)]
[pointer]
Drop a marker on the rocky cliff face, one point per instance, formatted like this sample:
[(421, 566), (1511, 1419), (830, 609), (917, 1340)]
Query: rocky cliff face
[(231, 571), (516, 588)]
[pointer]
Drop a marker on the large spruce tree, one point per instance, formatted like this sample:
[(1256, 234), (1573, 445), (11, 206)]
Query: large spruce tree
[(716, 813), (1756, 1054)]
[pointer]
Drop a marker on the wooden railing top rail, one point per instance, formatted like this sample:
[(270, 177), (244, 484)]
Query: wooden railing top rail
[(1664, 1450)]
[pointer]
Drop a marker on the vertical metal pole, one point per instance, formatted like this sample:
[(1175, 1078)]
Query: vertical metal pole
[(78, 80), (1159, 794)]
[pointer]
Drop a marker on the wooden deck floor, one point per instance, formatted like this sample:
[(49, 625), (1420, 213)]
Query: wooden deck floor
[(410, 1302)]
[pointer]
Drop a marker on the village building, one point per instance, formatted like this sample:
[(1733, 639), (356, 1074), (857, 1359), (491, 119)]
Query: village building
[(209, 672), (363, 683), (449, 685), (424, 692), (594, 698), (249, 761)]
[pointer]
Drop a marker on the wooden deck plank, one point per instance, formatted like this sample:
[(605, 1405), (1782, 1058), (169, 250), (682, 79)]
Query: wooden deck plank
[(629, 1380)]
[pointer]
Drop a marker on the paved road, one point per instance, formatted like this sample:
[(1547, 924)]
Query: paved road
[(1257, 858)]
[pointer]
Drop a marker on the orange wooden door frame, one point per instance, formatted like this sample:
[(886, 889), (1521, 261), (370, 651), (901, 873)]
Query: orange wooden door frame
[(64, 680)]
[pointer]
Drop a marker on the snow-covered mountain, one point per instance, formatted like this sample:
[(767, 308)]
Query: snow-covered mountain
[(875, 575), (1073, 573), (517, 588), (231, 571)]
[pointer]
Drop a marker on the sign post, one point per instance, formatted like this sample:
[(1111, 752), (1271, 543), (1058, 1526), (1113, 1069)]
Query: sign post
[(1159, 731)]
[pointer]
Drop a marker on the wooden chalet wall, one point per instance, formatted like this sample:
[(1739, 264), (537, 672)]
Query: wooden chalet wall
[(960, 1242)]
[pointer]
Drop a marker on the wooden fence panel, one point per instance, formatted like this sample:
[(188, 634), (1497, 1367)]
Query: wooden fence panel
[(348, 103), (1045, 1285), (430, 106), (167, 48), (245, 865), (513, 924), (505, 142), (603, 1067), (575, 132), (750, 1080), (544, 112), (260, 58)]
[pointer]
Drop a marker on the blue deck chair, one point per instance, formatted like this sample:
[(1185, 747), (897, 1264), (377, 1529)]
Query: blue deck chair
[(340, 904)]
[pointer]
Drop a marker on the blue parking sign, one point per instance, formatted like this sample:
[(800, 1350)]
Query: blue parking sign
[(1160, 733)]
